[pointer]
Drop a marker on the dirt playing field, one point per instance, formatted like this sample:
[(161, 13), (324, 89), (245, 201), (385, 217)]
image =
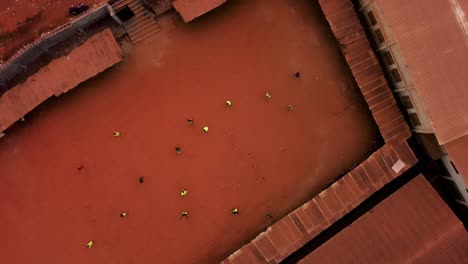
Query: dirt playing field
[(65, 178)]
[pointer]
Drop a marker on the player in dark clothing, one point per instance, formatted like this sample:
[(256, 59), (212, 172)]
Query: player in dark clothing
[(77, 9)]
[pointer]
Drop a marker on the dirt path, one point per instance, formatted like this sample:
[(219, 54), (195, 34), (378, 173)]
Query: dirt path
[(258, 155)]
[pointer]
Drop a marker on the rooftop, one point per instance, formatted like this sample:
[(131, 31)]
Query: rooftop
[(433, 41), (191, 9), (401, 229)]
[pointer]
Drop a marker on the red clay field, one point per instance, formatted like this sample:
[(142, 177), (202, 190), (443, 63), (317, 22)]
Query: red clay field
[(65, 178)]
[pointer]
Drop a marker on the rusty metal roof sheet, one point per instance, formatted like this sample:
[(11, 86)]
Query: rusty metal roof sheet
[(412, 225), (191, 9), (433, 40), (95, 55)]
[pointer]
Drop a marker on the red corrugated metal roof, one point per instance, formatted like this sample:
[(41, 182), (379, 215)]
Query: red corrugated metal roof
[(432, 36), (191, 9), (293, 231), (95, 55), (413, 225)]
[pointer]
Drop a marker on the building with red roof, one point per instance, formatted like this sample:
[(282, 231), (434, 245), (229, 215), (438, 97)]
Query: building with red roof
[(423, 49), (401, 229), (191, 9)]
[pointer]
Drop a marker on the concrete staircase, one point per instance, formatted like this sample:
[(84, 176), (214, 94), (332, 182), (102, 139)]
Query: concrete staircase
[(143, 25)]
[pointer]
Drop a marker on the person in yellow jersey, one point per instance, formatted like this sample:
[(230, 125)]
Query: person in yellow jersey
[(90, 244), (184, 214)]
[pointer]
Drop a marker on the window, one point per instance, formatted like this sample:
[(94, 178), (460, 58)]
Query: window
[(371, 17), (455, 168), (388, 58), (406, 101), (414, 119), (379, 36), (396, 75)]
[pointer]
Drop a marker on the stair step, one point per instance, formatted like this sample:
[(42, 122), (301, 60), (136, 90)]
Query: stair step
[(142, 31), (130, 4), (149, 33), (144, 28), (140, 25), (134, 21), (138, 9), (121, 4), (143, 13), (140, 39)]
